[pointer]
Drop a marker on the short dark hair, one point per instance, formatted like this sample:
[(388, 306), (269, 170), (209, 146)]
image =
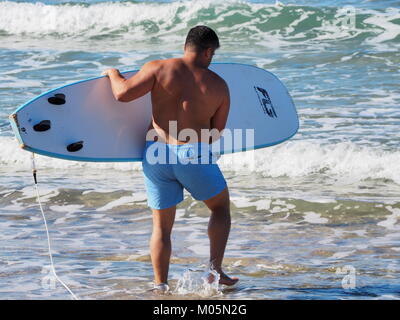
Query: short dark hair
[(201, 38)]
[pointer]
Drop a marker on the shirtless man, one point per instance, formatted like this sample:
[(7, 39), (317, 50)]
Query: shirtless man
[(185, 91)]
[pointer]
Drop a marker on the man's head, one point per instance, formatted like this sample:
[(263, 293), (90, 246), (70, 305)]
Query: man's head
[(203, 41)]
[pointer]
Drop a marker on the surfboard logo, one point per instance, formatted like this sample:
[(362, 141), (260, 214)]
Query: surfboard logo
[(265, 102)]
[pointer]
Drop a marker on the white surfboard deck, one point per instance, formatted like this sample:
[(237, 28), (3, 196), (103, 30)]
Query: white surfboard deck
[(112, 131)]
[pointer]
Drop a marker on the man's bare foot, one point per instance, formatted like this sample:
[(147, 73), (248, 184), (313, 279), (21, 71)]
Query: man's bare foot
[(223, 279), (226, 280), (160, 289)]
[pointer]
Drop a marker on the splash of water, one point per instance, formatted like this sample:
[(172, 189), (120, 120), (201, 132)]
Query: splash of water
[(198, 282)]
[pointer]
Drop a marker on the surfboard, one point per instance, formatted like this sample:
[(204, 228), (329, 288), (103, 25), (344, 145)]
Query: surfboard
[(82, 121)]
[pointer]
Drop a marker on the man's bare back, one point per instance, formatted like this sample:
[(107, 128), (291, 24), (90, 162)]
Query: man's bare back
[(187, 94)]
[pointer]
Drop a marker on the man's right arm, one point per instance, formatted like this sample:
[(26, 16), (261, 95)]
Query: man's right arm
[(142, 82)]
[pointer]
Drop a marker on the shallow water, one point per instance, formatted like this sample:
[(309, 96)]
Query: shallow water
[(307, 215), (281, 247)]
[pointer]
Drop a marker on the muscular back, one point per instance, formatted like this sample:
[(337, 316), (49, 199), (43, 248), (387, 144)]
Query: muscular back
[(190, 95)]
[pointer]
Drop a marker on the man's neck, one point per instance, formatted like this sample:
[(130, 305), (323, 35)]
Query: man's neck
[(192, 58)]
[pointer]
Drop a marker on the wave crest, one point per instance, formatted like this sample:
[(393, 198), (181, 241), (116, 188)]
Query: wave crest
[(237, 22)]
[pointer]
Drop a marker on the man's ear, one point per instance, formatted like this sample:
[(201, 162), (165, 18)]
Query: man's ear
[(209, 53)]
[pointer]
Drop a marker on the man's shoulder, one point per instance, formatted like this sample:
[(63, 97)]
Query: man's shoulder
[(150, 67), (218, 80), (164, 64), (170, 61), (153, 64)]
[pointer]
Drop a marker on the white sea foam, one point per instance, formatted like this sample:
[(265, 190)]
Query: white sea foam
[(302, 158), (116, 203), (384, 20), (292, 159), (313, 217), (342, 254), (241, 202), (72, 208), (391, 221), (13, 156)]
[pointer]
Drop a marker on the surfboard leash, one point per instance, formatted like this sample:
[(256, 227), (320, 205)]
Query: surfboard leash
[(47, 230)]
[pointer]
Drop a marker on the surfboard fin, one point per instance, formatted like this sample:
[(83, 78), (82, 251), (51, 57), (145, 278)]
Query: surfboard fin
[(76, 146), (43, 125), (57, 99)]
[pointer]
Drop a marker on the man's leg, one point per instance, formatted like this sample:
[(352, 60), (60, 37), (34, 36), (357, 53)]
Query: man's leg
[(160, 243), (218, 232)]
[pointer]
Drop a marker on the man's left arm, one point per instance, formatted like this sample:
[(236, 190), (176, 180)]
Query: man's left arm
[(220, 117), (142, 82)]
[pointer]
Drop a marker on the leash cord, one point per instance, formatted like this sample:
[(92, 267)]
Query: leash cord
[(47, 231)]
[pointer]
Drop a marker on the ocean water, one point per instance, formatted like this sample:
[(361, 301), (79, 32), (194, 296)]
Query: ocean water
[(316, 217)]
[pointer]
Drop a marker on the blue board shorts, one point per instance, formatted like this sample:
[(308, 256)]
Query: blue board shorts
[(169, 168)]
